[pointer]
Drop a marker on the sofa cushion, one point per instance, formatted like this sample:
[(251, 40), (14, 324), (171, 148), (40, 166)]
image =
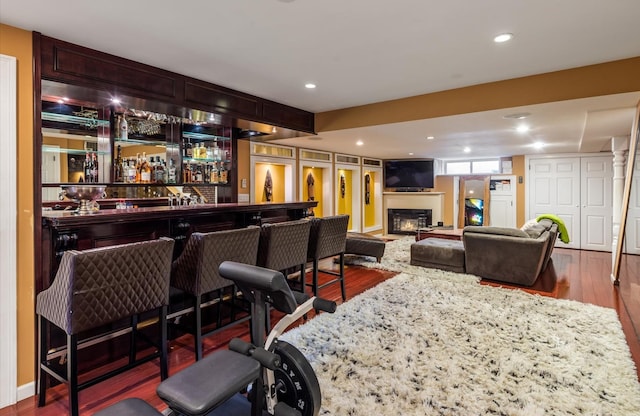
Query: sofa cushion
[(533, 228)]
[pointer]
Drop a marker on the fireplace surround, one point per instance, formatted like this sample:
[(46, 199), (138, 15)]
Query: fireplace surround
[(407, 221)]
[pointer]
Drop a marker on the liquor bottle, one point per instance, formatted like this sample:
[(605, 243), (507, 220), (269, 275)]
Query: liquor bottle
[(86, 167), (215, 176), (159, 173), (223, 174), (189, 149), (145, 169), (118, 168), (133, 171), (138, 166), (94, 168), (123, 128), (171, 175), (186, 173), (198, 173)]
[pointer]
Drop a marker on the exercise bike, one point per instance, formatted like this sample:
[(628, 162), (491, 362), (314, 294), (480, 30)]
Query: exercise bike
[(267, 376)]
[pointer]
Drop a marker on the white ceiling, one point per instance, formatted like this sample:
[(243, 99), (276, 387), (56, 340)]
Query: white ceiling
[(365, 51)]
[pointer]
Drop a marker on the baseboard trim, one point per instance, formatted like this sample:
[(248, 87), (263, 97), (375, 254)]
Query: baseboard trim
[(26, 390)]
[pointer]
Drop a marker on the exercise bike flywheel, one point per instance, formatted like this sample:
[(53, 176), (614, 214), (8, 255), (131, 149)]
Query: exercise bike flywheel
[(296, 382)]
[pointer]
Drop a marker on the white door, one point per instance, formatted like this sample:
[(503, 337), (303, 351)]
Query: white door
[(502, 204), (50, 171), (8, 235), (597, 203), (555, 189), (632, 233)]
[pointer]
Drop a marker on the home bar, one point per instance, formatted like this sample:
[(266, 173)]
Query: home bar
[(127, 153), (98, 113)]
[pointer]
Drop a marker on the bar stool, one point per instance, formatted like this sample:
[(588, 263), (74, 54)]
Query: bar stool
[(328, 238), (195, 271), (96, 287), (283, 247)]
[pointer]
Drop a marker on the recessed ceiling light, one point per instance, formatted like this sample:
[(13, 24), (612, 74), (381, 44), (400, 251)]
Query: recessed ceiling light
[(430, 137), (467, 149), (503, 37), (523, 128), (538, 145), (310, 85), (411, 154), (359, 142), (115, 101)]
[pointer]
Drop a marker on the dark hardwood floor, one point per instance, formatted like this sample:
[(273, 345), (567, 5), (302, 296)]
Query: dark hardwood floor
[(578, 275)]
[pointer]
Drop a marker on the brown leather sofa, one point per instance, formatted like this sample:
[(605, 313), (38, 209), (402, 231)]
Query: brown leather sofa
[(509, 254)]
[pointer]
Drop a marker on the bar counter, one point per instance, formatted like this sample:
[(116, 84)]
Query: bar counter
[(66, 230)]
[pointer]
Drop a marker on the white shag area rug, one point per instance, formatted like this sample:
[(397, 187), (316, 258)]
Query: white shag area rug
[(432, 344)]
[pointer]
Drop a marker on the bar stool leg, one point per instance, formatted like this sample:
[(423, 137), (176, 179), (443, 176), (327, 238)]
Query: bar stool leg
[(42, 360), (342, 288), (132, 338), (198, 329), (314, 283), (164, 364), (72, 373)]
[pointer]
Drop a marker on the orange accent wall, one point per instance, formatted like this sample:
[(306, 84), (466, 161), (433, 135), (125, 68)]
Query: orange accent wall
[(445, 184), (244, 166), (519, 169), (18, 43)]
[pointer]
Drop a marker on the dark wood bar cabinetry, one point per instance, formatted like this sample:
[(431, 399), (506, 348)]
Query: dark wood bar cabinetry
[(116, 113), (161, 148)]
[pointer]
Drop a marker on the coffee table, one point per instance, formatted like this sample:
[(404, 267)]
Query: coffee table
[(447, 234)]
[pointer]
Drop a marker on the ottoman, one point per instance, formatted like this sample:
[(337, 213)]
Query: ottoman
[(438, 253), (364, 245)]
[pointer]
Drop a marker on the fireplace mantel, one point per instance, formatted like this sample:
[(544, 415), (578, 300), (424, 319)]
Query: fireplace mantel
[(414, 200)]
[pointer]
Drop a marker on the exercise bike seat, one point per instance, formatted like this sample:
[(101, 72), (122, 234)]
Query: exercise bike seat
[(205, 385)]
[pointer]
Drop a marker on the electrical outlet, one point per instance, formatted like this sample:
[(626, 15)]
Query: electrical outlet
[(243, 183)]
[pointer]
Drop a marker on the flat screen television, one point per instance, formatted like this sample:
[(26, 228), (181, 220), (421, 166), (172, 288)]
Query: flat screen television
[(408, 174)]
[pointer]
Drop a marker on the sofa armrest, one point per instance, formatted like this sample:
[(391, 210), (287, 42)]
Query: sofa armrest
[(511, 232), (504, 256)]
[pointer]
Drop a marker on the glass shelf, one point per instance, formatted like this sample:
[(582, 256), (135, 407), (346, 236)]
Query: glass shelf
[(88, 122), (202, 136)]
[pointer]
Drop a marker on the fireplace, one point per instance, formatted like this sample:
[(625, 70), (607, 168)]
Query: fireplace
[(407, 221)]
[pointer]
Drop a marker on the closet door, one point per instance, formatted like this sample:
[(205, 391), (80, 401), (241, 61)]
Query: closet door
[(597, 203), (554, 188)]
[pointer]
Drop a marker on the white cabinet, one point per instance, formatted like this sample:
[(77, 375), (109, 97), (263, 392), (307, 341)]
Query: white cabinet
[(502, 203)]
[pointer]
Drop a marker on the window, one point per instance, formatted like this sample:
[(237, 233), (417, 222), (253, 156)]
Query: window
[(472, 167), (458, 168), (485, 166)]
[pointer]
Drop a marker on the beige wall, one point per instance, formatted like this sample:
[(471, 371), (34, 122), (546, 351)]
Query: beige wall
[(16, 42)]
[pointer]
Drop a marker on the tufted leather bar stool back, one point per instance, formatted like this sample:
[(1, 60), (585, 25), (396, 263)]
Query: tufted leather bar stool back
[(328, 238), (97, 287), (195, 271), (283, 245)]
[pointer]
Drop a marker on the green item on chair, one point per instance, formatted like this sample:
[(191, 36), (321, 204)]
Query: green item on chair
[(562, 229)]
